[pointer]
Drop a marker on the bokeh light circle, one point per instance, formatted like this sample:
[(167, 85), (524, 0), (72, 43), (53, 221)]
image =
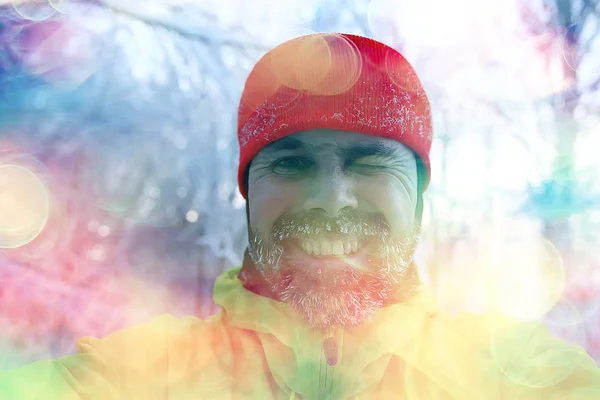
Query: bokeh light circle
[(530, 281), (518, 349), (62, 53), (301, 63), (262, 86), (567, 321), (585, 66), (35, 10), (382, 20), (564, 314), (24, 206), (67, 6), (569, 53), (346, 66)]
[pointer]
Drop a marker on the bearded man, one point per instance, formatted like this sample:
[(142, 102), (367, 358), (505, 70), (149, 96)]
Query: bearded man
[(334, 132)]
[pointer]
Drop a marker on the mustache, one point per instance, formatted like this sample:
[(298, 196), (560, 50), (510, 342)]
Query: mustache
[(308, 224)]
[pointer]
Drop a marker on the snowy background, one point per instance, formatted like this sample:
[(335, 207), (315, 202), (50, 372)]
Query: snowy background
[(118, 155)]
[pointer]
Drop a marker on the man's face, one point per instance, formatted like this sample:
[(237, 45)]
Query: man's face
[(332, 221)]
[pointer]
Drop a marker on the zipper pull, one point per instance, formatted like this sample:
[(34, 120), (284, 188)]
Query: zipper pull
[(330, 350)]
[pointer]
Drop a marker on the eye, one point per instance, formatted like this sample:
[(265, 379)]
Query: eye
[(291, 165)]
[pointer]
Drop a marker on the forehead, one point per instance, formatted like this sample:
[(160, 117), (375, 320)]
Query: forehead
[(329, 140)]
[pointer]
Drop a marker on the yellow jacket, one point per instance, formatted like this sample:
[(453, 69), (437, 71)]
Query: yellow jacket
[(257, 348)]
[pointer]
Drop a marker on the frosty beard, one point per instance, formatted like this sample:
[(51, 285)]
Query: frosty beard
[(343, 295)]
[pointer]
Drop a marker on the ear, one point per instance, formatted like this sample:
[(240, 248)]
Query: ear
[(246, 178), (248, 215), (420, 184), (245, 190)]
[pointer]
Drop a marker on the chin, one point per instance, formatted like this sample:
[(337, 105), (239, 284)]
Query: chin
[(331, 292)]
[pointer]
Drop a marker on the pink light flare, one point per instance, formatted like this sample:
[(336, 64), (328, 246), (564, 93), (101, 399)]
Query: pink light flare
[(62, 52)]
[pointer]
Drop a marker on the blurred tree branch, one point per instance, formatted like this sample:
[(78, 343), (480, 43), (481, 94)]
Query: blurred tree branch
[(567, 20), (174, 20)]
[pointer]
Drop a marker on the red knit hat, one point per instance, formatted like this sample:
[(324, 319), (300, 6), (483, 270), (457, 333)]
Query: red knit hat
[(334, 81)]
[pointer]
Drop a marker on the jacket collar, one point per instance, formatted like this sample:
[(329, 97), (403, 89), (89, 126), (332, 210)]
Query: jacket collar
[(295, 350)]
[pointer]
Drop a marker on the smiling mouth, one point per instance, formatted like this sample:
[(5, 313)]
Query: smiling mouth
[(329, 246)]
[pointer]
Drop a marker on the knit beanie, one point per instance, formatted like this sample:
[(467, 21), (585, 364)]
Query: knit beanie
[(334, 81)]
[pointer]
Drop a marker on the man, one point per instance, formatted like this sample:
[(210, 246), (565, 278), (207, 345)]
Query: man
[(334, 134)]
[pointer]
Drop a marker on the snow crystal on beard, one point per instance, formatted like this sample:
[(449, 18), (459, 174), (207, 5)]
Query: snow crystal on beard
[(353, 296)]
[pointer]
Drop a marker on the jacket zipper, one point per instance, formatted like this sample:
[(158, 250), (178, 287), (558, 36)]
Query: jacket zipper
[(329, 359)]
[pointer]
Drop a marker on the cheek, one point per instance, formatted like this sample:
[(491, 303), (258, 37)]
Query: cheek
[(269, 200), (391, 198)]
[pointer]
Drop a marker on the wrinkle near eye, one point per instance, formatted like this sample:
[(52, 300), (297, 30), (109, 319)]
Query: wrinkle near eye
[(258, 171)]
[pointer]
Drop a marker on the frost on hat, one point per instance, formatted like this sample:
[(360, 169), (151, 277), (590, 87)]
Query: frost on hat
[(334, 81)]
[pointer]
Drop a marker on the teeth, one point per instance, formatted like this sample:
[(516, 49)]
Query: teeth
[(337, 248), (316, 247), (326, 247), (347, 247), (308, 247)]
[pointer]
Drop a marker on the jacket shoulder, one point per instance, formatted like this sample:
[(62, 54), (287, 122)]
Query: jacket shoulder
[(165, 345), (147, 343), (530, 362), (141, 356), (165, 354)]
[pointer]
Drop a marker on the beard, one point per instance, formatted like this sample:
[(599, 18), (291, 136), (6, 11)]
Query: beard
[(345, 291)]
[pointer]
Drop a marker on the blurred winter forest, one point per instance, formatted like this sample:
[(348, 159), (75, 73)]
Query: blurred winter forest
[(118, 155)]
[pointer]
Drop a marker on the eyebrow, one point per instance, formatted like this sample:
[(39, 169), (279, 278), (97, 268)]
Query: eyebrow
[(373, 148), (287, 143), (376, 148)]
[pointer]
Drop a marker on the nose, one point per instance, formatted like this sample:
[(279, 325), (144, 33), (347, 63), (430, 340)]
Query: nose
[(330, 194)]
